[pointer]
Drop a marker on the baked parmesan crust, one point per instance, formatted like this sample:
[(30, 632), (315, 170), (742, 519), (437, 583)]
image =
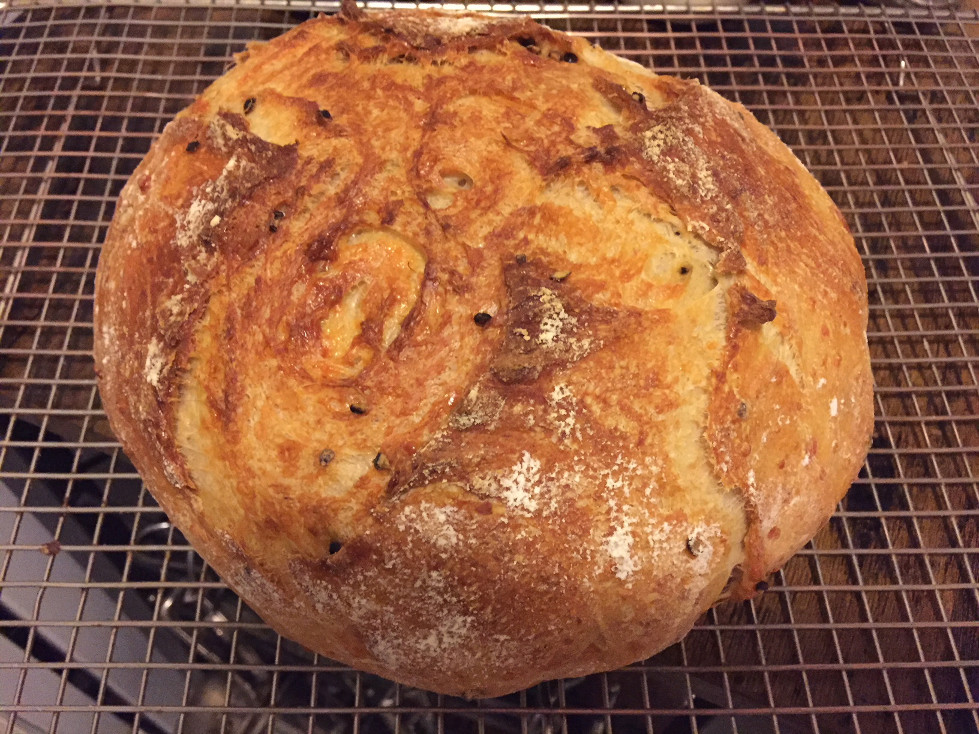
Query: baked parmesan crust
[(472, 355)]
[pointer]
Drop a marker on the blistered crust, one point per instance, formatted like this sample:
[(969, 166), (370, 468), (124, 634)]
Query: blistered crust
[(472, 355)]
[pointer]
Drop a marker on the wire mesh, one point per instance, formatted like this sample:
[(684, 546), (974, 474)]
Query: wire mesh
[(109, 622)]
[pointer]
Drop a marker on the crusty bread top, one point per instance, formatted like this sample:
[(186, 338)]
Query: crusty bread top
[(471, 354)]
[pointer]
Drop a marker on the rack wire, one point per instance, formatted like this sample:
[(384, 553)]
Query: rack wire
[(109, 622)]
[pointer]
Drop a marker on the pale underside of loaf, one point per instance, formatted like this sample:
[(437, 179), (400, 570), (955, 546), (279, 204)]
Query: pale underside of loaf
[(472, 355)]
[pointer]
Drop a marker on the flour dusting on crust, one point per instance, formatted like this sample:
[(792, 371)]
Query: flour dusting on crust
[(619, 547), (520, 486), (156, 363), (433, 522)]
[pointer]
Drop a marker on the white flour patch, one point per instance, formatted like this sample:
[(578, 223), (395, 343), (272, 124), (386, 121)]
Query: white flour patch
[(618, 545), (223, 134), (556, 324), (461, 25), (661, 534), (555, 318), (564, 412), (170, 472), (431, 521), (689, 168), (448, 636), (526, 489), (521, 485), (621, 475), (203, 210), (109, 338), (174, 309), (155, 363), (560, 392)]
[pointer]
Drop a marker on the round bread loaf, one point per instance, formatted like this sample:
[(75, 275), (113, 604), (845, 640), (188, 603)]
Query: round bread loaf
[(472, 355)]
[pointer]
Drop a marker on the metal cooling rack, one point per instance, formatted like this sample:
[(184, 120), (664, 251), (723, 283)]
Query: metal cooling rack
[(110, 623)]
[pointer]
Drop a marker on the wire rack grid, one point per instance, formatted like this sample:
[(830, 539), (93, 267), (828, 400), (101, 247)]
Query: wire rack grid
[(110, 623)]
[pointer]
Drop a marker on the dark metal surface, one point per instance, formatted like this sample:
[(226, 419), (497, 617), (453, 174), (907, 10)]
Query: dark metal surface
[(110, 623)]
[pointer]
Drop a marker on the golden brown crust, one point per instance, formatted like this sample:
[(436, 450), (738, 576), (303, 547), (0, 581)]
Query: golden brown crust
[(472, 355)]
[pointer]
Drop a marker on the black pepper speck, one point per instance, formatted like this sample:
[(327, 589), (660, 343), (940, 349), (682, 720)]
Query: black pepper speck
[(570, 58), (249, 105), (193, 146), (326, 456), (639, 97), (358, 409), (482, 318), (381, 462)]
